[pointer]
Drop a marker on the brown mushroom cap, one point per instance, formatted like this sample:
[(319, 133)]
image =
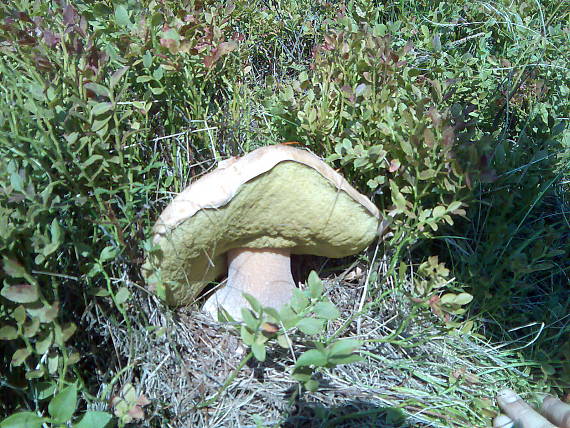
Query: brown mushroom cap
[(274, 197)]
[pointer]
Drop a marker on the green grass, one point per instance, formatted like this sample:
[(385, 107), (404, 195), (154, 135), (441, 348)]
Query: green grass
[(451, 116)]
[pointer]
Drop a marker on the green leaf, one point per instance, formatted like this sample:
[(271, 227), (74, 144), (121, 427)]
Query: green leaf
[(287, 93), (144, 79), (98, 89), (407, 147), (17, 182), (116, 76), (344, 359), (448, 299), (21, 293), (439, 211), (44, 342), (158, 73), (343, 347), (397, 198), (311, 385), (44, 313), (103, 130), (98, 292), (299, 301), (255, 305), (20, 356), (75, 357), (13, 268), (22, 420), (310, 325), (273, 313), (56, 238), (101, 10), (53, 362), (122, 295), (249, 319), (62, 405), (101, 125), (427, 174), (247, 336), (288, 316), (122, 16), (101, 108), (156, 91), (8, 332), (302, 374), (45, 389), (326, 310), (108, 253), (454, 205), (283, 341), (35, 374), (463, 299), (94, 419), (31, 328), (312, 357), (379, 30), (147, 60), (258, 350), (67, 331), (315, 285), (19, 314)]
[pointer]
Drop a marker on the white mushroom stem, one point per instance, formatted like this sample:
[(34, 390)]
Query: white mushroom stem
[(263, 273)]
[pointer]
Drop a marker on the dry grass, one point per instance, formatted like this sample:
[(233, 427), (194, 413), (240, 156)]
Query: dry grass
[(180, 359)]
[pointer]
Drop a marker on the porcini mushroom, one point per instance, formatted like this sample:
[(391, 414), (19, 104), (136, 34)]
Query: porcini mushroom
[(246, 218)]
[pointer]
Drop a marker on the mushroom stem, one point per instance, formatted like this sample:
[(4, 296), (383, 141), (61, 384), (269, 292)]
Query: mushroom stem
[(263, 273)]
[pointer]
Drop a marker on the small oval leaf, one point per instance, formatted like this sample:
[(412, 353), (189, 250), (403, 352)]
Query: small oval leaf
[(94, 419), (249, 319), (21, 293), (258, 350), (253, 302), (13, 268), (116, 76), (22, 420), (327, 310), (62, 405), (315, 285), (312, 357), (101, 108), (122, 295), (20, 356), (344, 347), (310, 325), (98, 89), (8, 332)]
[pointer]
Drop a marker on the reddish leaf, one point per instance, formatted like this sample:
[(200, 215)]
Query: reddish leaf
[(394, 165), (25, 39), (170, 44), (143, 401), (51, 39), (238, 37), (22, 16), (70, 15), (136, 412), (448, 136), (210, 60)]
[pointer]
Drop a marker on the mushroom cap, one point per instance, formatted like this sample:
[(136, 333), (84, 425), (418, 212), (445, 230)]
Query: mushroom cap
[(274, 197)]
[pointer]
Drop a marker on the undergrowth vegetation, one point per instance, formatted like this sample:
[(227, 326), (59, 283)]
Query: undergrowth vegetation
[(452, 116)]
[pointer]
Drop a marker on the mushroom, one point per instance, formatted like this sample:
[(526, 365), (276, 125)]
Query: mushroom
[(246, 218)]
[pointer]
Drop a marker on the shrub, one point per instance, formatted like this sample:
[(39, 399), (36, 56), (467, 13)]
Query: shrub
[(362, 105)]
